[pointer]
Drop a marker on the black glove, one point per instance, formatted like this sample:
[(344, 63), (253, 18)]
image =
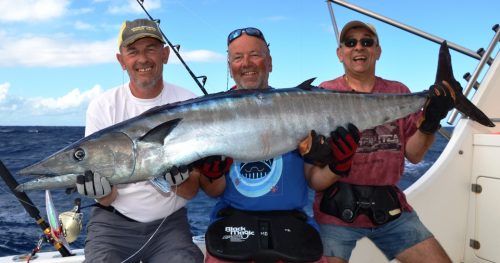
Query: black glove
[(440, 101), (319, 152), (92, 185), (336, 151), (177, 175), (214, 167)]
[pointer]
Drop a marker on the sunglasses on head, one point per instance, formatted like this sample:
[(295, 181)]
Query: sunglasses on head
[(365, 42), (251, 31)]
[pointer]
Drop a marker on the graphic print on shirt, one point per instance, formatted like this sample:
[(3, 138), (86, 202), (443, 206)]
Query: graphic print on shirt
[(383, 137), (256, 179)]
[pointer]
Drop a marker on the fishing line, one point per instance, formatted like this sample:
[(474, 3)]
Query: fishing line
[(15, 197), (154, 233), (175, 50)]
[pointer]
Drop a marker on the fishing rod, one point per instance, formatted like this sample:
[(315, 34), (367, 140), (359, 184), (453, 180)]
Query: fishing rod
[(176, 48), (32, 210)]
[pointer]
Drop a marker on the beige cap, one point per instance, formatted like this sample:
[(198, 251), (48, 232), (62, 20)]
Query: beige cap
[(132, 31), (357, 24)]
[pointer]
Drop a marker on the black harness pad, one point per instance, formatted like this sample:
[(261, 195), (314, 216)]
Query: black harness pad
[(264, 236), (346, 201)]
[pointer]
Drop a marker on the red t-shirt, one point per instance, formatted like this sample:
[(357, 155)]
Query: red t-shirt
[(380, 158)]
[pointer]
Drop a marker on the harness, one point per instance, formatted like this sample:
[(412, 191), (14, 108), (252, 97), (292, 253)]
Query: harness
[(263, 236), (346, 201)]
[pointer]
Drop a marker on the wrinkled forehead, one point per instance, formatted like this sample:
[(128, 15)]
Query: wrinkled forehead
[(247, 44)]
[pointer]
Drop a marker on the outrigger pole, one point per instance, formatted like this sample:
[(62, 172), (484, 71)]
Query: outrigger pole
[(176, 51), (32, 210)]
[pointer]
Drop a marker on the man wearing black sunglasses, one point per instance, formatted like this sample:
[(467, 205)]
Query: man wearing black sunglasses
[(357, 195), (260, 213)]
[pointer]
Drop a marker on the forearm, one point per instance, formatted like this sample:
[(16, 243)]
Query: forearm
[(108, 199), (189, 188), (213, 187), (319, 178), (418, 145)]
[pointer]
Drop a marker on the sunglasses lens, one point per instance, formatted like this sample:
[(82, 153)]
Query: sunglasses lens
[(233, 35), (367, 42), (251, 31), (351, 42)]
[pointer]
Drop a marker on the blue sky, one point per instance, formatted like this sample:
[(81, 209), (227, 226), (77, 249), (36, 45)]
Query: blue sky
[(56, 55)]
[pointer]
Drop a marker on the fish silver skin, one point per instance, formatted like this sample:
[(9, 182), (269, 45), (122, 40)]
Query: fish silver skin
[(247, 125)]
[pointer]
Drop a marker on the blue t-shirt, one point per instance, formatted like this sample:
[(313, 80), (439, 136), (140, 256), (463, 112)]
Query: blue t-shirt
[(273, 184)]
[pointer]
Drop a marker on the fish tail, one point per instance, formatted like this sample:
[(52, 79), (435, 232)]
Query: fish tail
[(470, 110), (445, 76)]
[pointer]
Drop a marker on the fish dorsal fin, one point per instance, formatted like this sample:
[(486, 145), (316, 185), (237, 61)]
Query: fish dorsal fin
[(160, 132), (306, 85)]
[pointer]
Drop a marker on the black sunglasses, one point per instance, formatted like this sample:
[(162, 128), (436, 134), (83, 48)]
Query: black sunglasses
[(251, 31), (365, 42)]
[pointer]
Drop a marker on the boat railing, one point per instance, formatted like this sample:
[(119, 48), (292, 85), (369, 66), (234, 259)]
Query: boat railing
[(482, 55)]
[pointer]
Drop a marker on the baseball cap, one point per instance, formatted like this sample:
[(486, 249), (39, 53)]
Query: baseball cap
[(357, 24), (132, 31)]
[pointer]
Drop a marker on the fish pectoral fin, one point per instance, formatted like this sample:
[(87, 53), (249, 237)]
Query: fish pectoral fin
[(160, 132), (161, 184)]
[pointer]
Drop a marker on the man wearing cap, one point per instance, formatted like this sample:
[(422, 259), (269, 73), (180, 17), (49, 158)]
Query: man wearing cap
[(138, 221), (357, 194), (259, 216)]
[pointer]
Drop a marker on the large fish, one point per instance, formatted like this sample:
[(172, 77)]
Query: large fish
[(247, 125)]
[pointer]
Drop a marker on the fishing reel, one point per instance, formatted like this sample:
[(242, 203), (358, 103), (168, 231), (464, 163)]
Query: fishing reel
[(71, 222)]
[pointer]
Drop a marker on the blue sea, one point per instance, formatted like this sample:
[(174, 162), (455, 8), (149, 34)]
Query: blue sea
[(22, 146)]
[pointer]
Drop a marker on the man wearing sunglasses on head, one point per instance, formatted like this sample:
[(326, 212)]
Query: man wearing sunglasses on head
[(357, 195), (260, 213)]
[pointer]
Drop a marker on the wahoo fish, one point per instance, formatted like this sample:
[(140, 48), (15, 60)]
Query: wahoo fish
[(247, 125)]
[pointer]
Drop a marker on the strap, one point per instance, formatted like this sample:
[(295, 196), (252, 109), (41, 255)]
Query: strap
[(114, 211)]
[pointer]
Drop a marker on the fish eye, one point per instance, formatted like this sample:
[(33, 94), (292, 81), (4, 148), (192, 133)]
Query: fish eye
[(79, 154)]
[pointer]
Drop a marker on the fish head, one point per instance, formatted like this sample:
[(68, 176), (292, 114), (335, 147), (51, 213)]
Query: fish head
[(111, 154)]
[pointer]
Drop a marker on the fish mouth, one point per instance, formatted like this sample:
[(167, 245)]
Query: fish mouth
[(108, 154)]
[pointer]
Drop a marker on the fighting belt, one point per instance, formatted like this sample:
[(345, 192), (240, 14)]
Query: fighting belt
[(346, 201), (264, 236)]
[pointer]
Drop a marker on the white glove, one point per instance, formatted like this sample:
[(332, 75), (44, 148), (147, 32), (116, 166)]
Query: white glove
[(92, 185), (177, 175)]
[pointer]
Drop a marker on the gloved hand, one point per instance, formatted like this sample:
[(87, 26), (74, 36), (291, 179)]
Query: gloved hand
[(92, 185), (214, 167), (336, 151), (440, 101), (316, 149), (177, 175), (344, 144)]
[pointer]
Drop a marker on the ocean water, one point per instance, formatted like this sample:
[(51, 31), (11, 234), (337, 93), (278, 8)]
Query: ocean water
[(22, 146)]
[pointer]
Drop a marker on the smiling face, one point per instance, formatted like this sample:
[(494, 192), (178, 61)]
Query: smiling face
[(144, 61), (249, 62), (359, 60)]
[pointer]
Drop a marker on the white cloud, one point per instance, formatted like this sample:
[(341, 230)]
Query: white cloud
[(43, 110), (84, 26), (32, 10), (60, 51), (4, 89), (131, 6), (73, 99), (276, 18), (55, 52)]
